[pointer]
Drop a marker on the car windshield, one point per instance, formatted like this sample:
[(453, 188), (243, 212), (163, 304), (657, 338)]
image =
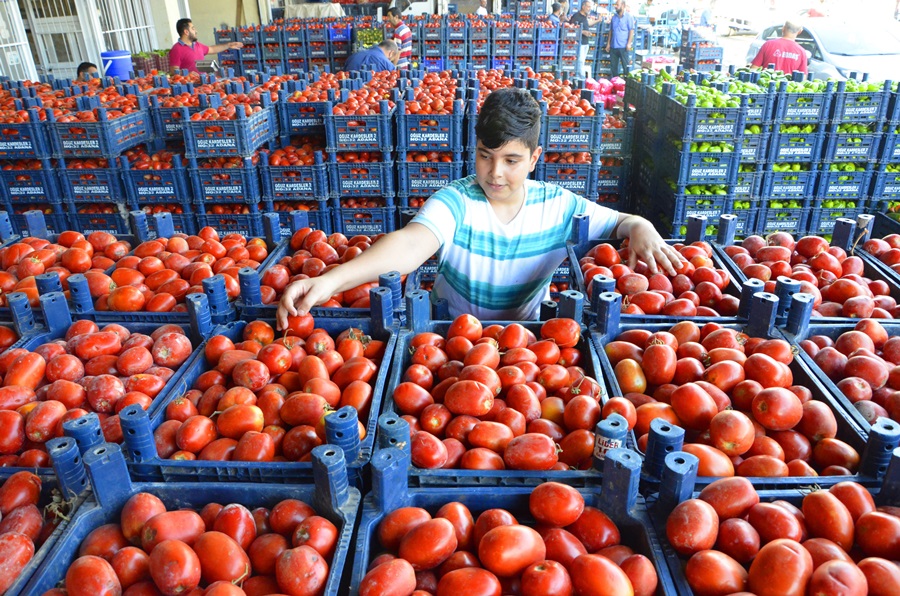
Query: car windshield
[(844, 39)]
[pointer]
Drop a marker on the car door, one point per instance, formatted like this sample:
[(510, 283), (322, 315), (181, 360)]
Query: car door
[(814, 57)]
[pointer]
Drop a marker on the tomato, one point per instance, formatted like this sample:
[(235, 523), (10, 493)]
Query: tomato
[(882, 576), (855, 498), (595, 529), (396, 576), (827, 517), (782, 567), (842, 576), (878, 535), (777, 408), (463, 523), (730, 497), (236, 521), (595, 574), (773, 522), (21, 489), (301, 570), (693, 406), (507, 550), (183, 526), (221, 558), (564, 332), (692, 526), (556, 504), (530, 451), (135, 513), (174, 567), (91, 575)]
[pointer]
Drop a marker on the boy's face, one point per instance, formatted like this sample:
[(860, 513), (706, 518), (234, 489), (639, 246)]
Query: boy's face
[(501, 172)]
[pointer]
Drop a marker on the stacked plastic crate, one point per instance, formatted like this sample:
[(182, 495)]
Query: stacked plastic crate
[(222, 145), (359, 143), (569, 46), (432, 43), (271, 38), (317, 51), (340, 35), (87, 139), (502, 46), (294, 44), (251, 55), (754, 150), (850, 153), (27, 178), (886, 178), (479, 32), (699, 50), (228, 58), (613, 174), (789, 179), (525, 48), (696, 165)]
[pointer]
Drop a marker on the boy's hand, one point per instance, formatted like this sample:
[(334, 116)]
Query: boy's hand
[(300, 296), (645, 243)]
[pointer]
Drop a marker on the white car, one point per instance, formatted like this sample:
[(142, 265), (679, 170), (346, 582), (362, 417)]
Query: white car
[(836, 48)]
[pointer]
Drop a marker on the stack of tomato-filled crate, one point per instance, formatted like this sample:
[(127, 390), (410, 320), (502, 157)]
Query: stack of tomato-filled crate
[(886, 178)]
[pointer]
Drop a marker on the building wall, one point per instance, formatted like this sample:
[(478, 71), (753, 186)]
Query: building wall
[(208, 15)]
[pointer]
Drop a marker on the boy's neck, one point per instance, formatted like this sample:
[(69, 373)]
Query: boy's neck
[(506, 211)]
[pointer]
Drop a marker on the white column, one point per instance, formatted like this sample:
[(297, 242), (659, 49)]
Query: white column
[(89, 19)]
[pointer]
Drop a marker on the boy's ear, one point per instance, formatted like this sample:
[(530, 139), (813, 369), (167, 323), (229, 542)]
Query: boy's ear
[(535, 156)]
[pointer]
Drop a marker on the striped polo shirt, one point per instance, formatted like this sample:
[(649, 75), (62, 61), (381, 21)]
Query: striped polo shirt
[(403, 37), (499, 271)]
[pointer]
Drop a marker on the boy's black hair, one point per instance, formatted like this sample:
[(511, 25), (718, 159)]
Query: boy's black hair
[(182, 25), (83, 68), (395, 12), (509, 115)]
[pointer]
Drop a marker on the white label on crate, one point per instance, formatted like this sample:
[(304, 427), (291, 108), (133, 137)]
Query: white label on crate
[(170, 127), (228, 190), (754, 112), (562, 271), (429, 137), (780, 223), (285, 232), (88, 230), (361, 184), (852, 151), (609, 147), (9, 145), (89, 144), (90, 190), (26, 190), (891, 189), (575, 186), (793, 112), (428, 183), (860, 110), (355, 137), (715, 128), (298, 122), (294, 187), (789, 188), (604, 445), (709, 172), (826, 224), (742, 190), (707, 212), (147, 191), (429, 269), (363, 228), (748, 151), (570, 138), (795, 151), (844, 188), (215, 143)]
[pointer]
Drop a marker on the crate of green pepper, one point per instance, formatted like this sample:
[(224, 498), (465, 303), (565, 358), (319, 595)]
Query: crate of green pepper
[(852, 141), (844, 180), (887, 181)]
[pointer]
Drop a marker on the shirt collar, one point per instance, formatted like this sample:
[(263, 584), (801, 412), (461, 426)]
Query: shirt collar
[(186, 45)]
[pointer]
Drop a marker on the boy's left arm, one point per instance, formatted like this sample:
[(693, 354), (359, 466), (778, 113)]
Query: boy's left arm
[(645, 243)]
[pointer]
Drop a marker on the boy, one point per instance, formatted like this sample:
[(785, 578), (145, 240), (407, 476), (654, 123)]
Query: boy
[(500, 235)]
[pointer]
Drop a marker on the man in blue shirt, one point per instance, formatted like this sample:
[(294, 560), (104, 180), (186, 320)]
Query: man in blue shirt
[(621, 36), (384, 56), (556, 9)]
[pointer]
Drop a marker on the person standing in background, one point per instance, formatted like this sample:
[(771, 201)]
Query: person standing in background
[(86, 72), (587, 23), (556, 8), (384, 56), (621, 36), (785, 53), (403, 37), (482, 10), (187, 50), (564, 11)]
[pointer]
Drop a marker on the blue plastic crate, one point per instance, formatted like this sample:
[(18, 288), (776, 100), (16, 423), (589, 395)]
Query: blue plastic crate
[(890, 150), (105, 138), (329, 496), (886, 184), (247, 35), (319, 33), (167, 122), (809, 108), (745, 217), (618, 498), (155, 186), (57, 221), (706, 124), (617, 142), (859, 106), (370, 221), (224, 35), (424, 178), (850, 147), (421, 132), (790, 185), (479, 49), (479, 32), (793, 147), (792, 221), (360, 133), (28, 185), (748, 185), (250, 53), (225, 185), (501, 63), (26, 140), (369, 179), (114, 223), (102, 185), (578, 178), (301, 118), (654, 104), (240, 137), (844, 185), (457, 49), (319, 218), (571, 133), (296, 67), (502, 49), (295, 51), (754, 148), (248, 224), (821, 220), (697, 53), (701, 168), (433, 64), (288, 183), (479, 62), (759, 108), (679, 206), (184, 223), (146, 464)]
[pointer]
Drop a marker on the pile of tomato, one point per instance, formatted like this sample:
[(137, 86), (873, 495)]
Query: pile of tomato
[(696, 289), (301, 152), (434, 95), (140, 159), (266, 399), (835, 279), (160, 273), (219, 551), (572, 548), (735, 396), (832, 541), (886, 249)]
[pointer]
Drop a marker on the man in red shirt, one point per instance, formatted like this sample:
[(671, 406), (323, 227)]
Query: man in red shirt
[(187, 50), (785, 53)]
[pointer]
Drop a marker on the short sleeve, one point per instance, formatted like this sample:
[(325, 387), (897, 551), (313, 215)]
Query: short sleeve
[(758, 59), (203, 48), (175, 57)]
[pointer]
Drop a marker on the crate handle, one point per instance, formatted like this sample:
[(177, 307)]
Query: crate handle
[(609, 435), (200, 316), (391, 282), (300, 219), (36, 224), (785, 288), (393, 431), (22, 315), (549, 310), (272, 229), (137, 434), (571, 304), (608, 313), (727, 229), (109, 476), (6, 229), (381, 311), (80, 292), (342, 431), (884, 437), (678, 479), (621, 480), (56, 311), (748, 289), (390, 481), (664, 438), (890, 486), (844, 233), (140, 225), (696, 229), (330, 475), (418, 310), (248, 279), (67, 464), (799, 315), (48, 282), (165, 227), (214, 288), (763, 307), (85, 431)]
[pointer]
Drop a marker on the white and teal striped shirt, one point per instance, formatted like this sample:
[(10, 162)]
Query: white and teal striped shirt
[(499, 271)]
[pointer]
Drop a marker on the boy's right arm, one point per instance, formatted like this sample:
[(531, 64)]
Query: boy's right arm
[(403, 251)]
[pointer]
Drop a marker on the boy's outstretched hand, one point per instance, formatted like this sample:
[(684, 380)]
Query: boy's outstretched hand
[(645, 243), (299, 297)]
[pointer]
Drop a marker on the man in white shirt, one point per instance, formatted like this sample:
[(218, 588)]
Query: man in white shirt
[(482, 10)]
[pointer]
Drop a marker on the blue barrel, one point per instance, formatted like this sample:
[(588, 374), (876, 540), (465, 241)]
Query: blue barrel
[(116, 63)]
